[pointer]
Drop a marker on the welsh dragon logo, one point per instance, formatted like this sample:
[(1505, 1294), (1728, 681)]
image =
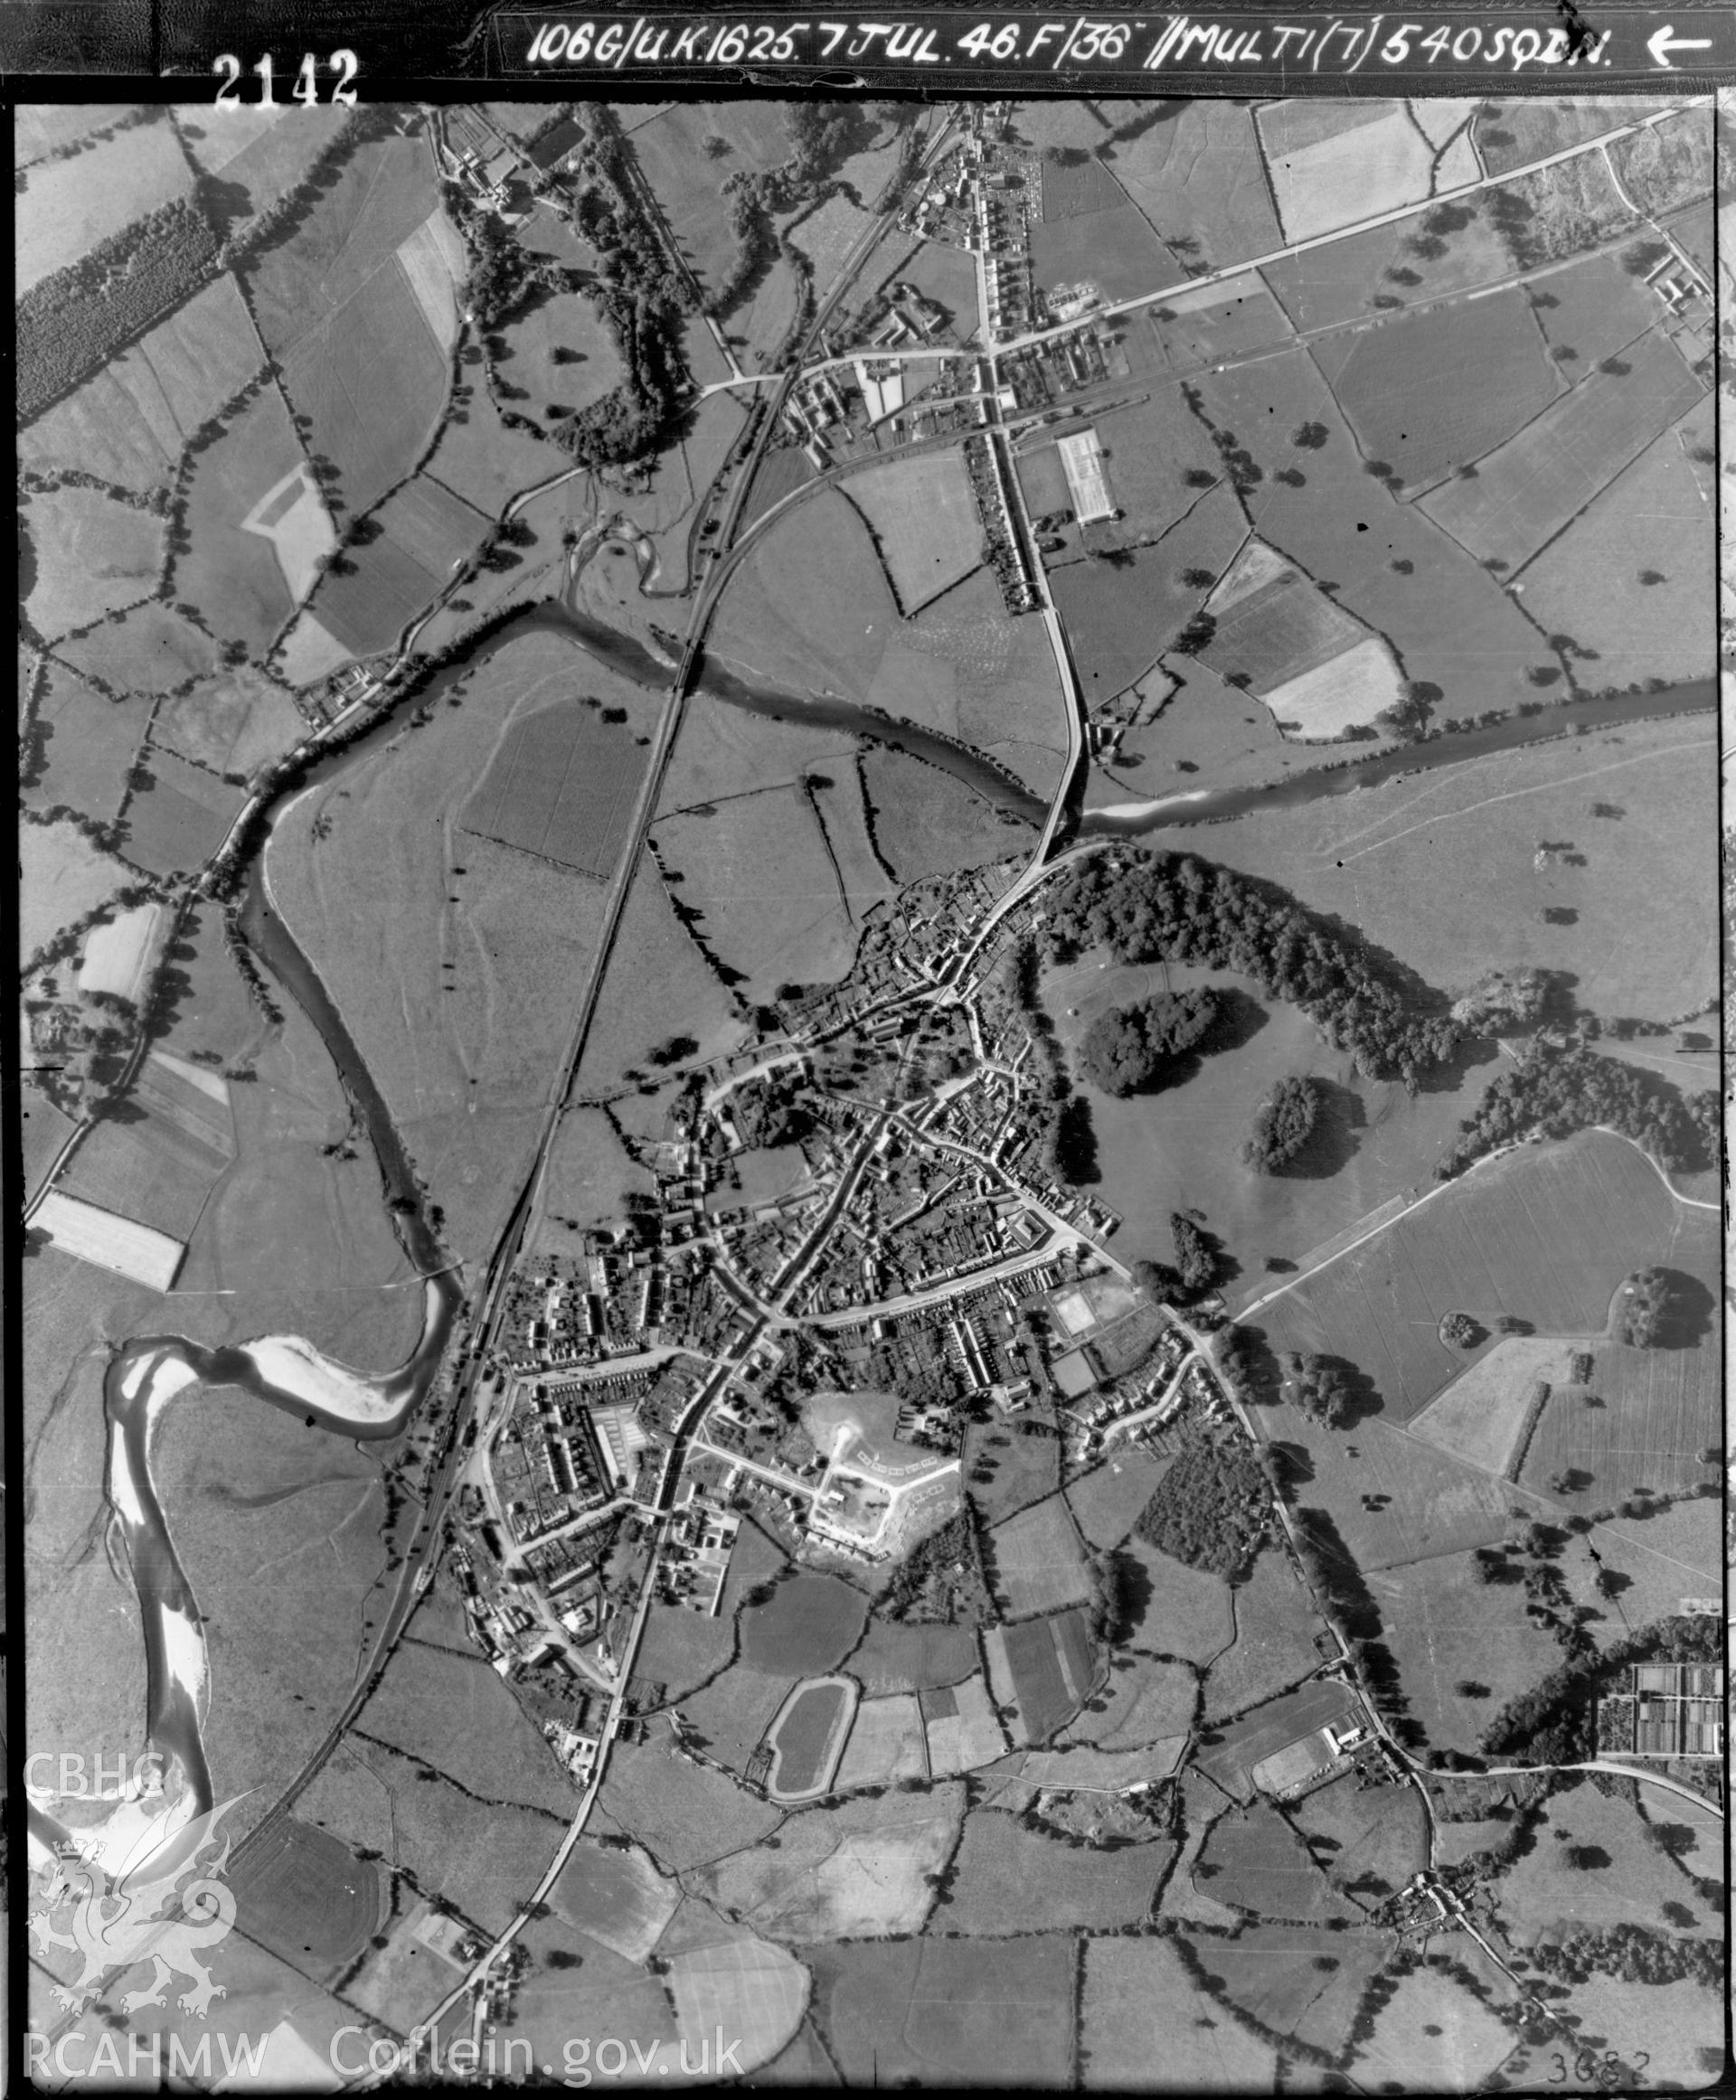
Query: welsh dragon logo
[(150, 1910)]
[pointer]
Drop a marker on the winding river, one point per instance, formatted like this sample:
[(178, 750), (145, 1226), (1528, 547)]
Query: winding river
[(285, 1371)]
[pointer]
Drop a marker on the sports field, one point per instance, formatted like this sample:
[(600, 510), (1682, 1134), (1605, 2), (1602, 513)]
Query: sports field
[(1546, 1234), (807, 1738), (924, 517), (1528, 489), (616, 1897), (1434, 389)]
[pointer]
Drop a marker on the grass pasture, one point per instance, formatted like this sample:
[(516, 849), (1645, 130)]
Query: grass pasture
[(886, 1744), (562, 353), (233, 723), (924, 822), (1116, 250), (1000, 1863), (1275, 1628), (1671, 2034), (1121, 617), (233, 576), (962, 1729), (1295, 1980), (1431, 390), (1207, 325), (1481, 1416), (92, 556), (923, 515), (616, 1897), (86, 744), (306, 1895), (1433, 2037), (561, 785), (478, 457), (809, 611), (950, 2011), (682, 1813), (1045, 1667), (1107, 1500), (1254, 1861), (1654, 523), (1333, 164), (181, 819), (1364, 1835), (371, 379), (1190, 1611), (1142, 2029), (65, 208), (452, 1712), (62, 878), (1340, 282), (687, 178), (1141, 1701), (1546, 1234), (1526, 490), (810, 1623), (1593, 307), (254, 150), (149, 1171), (893, 1658), (1037, 1561), (150, 649), (1009, 696), (1007, 1471), (1512, 133), (858, 1870), (1551, 1893)]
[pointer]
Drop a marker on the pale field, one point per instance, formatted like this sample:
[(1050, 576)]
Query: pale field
[(744, 1989), (1434, 2037), (1480, 1415), (1351, 689), (61, 880), (117, 951), (308, 654), (69, 206), (433, 260), (885, 1744), (1140, 2018), (1353, 174)]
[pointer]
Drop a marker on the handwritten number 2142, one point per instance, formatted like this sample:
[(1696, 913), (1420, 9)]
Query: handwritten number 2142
[(343, 63)]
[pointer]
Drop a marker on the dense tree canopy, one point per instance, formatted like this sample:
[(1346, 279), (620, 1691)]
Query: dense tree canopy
[(1139, 1046), (1557, 1092), (1284, 1124), (1212, 1509)]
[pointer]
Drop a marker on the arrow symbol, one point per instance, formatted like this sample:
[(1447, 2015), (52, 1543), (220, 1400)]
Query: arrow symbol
[(1666, 41)]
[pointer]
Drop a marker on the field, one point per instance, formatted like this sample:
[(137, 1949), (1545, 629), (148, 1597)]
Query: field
[(61, 880), (425, 531), (1346, 527), (371, 379), (923, 515), (1446, 1629), (658, 984), (42, 128), (741, 1988), (1190, 1611), (1375, 1836), (1254, 1863), (807, 1738), (886, 1744), (562, 354), (1433, 868), (1275, 1628), (924, 822), (1121, 617), (433, 260), (1142, 2029), (1045, 1667), (1430, 390), (1659, 1411), (1143, 1701), (43, 1129), (1148, 446), (151, 649), (857, 1870), (1481, 1416), (1229, 1761), (181, 818), (98, 1236), (617, 1897), (231, 574), (1544, 1234), (561, 783), (148, 1171), (92, 555), (687, 179), (1511, 133), (1331, 165), (1648, 539), (1434, 2037), (827, 235), (999, 1865), (1272, 625), (1351, 689), (1593, 308), (452, 1712), (761, 880), (950, 2011), (1005, 1469), (253, 150), (86, 743), (962, 1730), (1526, 491), (911, 1658), (1671, 2034), (810, 1625), (1295, 1980), (232, 724), (1115, 251), (309, 1899), (1342, 281), (445, 980), (946, 275), (1037, 1563), (66, 208), (480, 458), (683, 1814), (1105, 1501), (1667, 165), (561, 2009), (1551, 1892)]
